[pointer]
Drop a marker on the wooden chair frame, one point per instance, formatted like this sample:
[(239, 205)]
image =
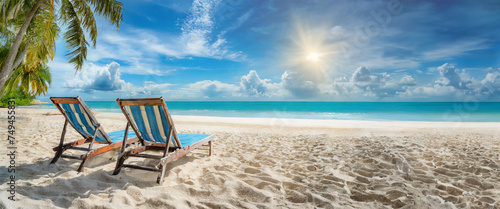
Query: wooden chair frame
[(175, 152), (87, 139)]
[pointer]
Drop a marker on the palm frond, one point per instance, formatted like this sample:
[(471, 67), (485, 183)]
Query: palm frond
[(110, 9), (41, 37), (88, 20), (75, 35), (9, 9), (34, 81), (15, 10)]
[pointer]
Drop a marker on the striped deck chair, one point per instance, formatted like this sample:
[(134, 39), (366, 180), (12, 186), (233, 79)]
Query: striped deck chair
[(79, 116), (155, 129)]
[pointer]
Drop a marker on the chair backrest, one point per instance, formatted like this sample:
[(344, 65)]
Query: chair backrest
[(80, 117), (150, 119)]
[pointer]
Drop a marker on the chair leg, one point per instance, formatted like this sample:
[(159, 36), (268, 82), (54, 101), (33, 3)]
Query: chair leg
[(210, 148), (60, 149), (119, 163), (160, 178), (57, 156), (84, 160)]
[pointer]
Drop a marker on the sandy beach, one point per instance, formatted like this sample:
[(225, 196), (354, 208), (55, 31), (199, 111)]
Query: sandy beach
[(268, 163)]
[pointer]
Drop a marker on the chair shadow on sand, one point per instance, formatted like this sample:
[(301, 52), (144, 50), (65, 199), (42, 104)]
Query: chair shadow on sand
[(56, 184)]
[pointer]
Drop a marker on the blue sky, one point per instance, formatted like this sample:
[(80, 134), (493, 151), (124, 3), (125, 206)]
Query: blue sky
[(315, 50)]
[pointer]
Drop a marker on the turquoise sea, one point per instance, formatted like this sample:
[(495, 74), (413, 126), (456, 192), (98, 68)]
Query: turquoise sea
[(398, 111)]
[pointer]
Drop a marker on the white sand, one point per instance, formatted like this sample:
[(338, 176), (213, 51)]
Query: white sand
[(268, 163)]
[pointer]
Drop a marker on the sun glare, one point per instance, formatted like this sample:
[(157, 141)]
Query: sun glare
[(313, 56)]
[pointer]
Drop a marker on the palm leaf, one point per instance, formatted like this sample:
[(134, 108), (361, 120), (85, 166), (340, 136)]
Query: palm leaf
[(88, 20), (41, 37), (9, 9), (110, 9), (74, 36), (34, 81)]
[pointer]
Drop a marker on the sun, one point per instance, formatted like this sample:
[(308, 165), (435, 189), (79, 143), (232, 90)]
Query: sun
[(313, 56)]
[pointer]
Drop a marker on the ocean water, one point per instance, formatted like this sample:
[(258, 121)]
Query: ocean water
[(391, 111)]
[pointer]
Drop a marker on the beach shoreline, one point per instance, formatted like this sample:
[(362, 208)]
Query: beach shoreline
[(269, 163), (347, 111)]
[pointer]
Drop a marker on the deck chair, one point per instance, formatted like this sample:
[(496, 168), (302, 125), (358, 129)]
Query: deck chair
[(153, 125), (79, 116)]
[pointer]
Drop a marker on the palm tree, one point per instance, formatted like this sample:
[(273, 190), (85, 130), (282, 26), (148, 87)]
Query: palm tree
[(31, 81), (41, 22), (31, 73)]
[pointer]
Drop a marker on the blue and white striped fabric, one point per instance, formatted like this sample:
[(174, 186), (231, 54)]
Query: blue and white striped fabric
[(81, 121), (151, 123)]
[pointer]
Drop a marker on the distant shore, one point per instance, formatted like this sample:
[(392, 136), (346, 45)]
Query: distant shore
[(269, 163), (38, 102)]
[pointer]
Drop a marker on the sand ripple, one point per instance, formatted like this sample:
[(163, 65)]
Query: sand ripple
[(277, 169)]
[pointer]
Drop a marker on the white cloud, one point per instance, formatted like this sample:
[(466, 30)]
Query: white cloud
[(361, 75), (434, 92), (364, 85), (139, 51), (250, 85), (457, 85), (451, 77), (408, 80), (455, 49), (107, 79), (142, 51), (198, 27), (451, 84), (198, 32), (97, 78), (253, 85), (154, 90), (489, 87), (208, 89), (299, 85)]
